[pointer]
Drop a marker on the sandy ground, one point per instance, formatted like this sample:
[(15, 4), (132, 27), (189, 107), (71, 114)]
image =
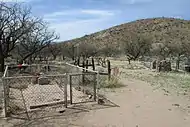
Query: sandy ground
[(139, 106)]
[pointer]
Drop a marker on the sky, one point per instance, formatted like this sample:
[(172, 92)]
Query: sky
[(76, 18)]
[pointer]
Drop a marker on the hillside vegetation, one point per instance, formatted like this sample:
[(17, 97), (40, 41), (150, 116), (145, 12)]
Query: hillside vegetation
[(156, 36), (162, 30)]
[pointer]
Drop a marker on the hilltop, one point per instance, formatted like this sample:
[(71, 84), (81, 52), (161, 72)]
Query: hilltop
[(160, 29)]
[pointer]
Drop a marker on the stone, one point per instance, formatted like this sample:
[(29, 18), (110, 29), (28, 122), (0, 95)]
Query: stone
[(43, 81), (153, 64), (187, 65), (164, 66), (101, 101), (177, 105)]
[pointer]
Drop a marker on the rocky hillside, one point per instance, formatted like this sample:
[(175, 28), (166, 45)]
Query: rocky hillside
[(160, 29)]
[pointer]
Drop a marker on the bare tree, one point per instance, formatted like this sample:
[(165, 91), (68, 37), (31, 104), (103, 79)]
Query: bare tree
[(68, 50), (86, 50), (55, 50), (135, 46), (33, 42), (15, 22)]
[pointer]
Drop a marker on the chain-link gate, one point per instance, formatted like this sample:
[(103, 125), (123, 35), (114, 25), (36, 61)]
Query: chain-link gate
[(83, 87)]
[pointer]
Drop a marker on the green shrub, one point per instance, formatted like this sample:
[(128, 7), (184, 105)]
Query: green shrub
[(112, 83)]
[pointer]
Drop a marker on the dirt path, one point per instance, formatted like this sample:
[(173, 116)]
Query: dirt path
[(140, 106)]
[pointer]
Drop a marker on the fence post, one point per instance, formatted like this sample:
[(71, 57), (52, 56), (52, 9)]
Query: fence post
[(93, 65), (78, 61), (86, 65), (109, 70), (5, 98), (65, 89), (83, 71), (71, 91), (95, 86)]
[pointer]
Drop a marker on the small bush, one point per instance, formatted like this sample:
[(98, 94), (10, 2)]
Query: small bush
[(112, 83)]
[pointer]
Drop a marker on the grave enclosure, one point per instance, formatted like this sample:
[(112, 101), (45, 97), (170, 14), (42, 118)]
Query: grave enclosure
[(43, 90)]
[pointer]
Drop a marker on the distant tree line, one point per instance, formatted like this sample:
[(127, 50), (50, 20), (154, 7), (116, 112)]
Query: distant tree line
[(133, 46)]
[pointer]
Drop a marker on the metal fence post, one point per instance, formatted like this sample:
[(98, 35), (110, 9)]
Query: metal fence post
[(4, 98), (98, 84), (95, 86), (65, 90), (71, 91)]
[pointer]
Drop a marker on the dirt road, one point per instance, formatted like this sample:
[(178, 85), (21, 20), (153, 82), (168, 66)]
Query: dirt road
[(140, 106)]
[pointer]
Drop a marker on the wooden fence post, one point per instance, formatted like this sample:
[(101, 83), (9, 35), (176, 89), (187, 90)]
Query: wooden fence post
[(109, 70), (83, 71), (93, 65), (78, 61), (86, 65)]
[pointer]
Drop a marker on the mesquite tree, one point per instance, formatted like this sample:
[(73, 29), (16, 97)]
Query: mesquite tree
[(18, 26), (136, 45), (33, 42)]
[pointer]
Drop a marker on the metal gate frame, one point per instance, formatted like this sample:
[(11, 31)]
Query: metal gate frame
[(79, 75)]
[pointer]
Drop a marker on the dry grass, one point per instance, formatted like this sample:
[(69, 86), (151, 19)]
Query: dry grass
[(174, 81), (114, 82)]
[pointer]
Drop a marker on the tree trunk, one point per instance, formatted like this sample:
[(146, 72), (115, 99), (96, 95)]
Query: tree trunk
[(63, 57), (54, 57), (30, 60), (2, 62), (129, 60), (158, 63), (177, 62), (73, 57)]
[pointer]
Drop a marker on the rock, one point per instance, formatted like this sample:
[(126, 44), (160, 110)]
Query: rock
[(187, 65), (177, 105), (87, 92), (187, 68), (101, 101), (35, 80), (78, 88), (43, 81), (62, 111), (164, 66), (153, 64)]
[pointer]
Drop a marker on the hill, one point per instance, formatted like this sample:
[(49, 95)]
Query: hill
[(162, 29), (167, 36)]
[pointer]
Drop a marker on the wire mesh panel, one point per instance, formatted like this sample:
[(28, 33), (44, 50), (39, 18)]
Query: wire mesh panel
[(36, 69), (82, 87), (36, 91), (34, 97)]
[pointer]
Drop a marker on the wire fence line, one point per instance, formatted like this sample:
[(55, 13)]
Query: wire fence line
[(40, 90)]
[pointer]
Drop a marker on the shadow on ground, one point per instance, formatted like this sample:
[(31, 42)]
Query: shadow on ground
[(64, 117)]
